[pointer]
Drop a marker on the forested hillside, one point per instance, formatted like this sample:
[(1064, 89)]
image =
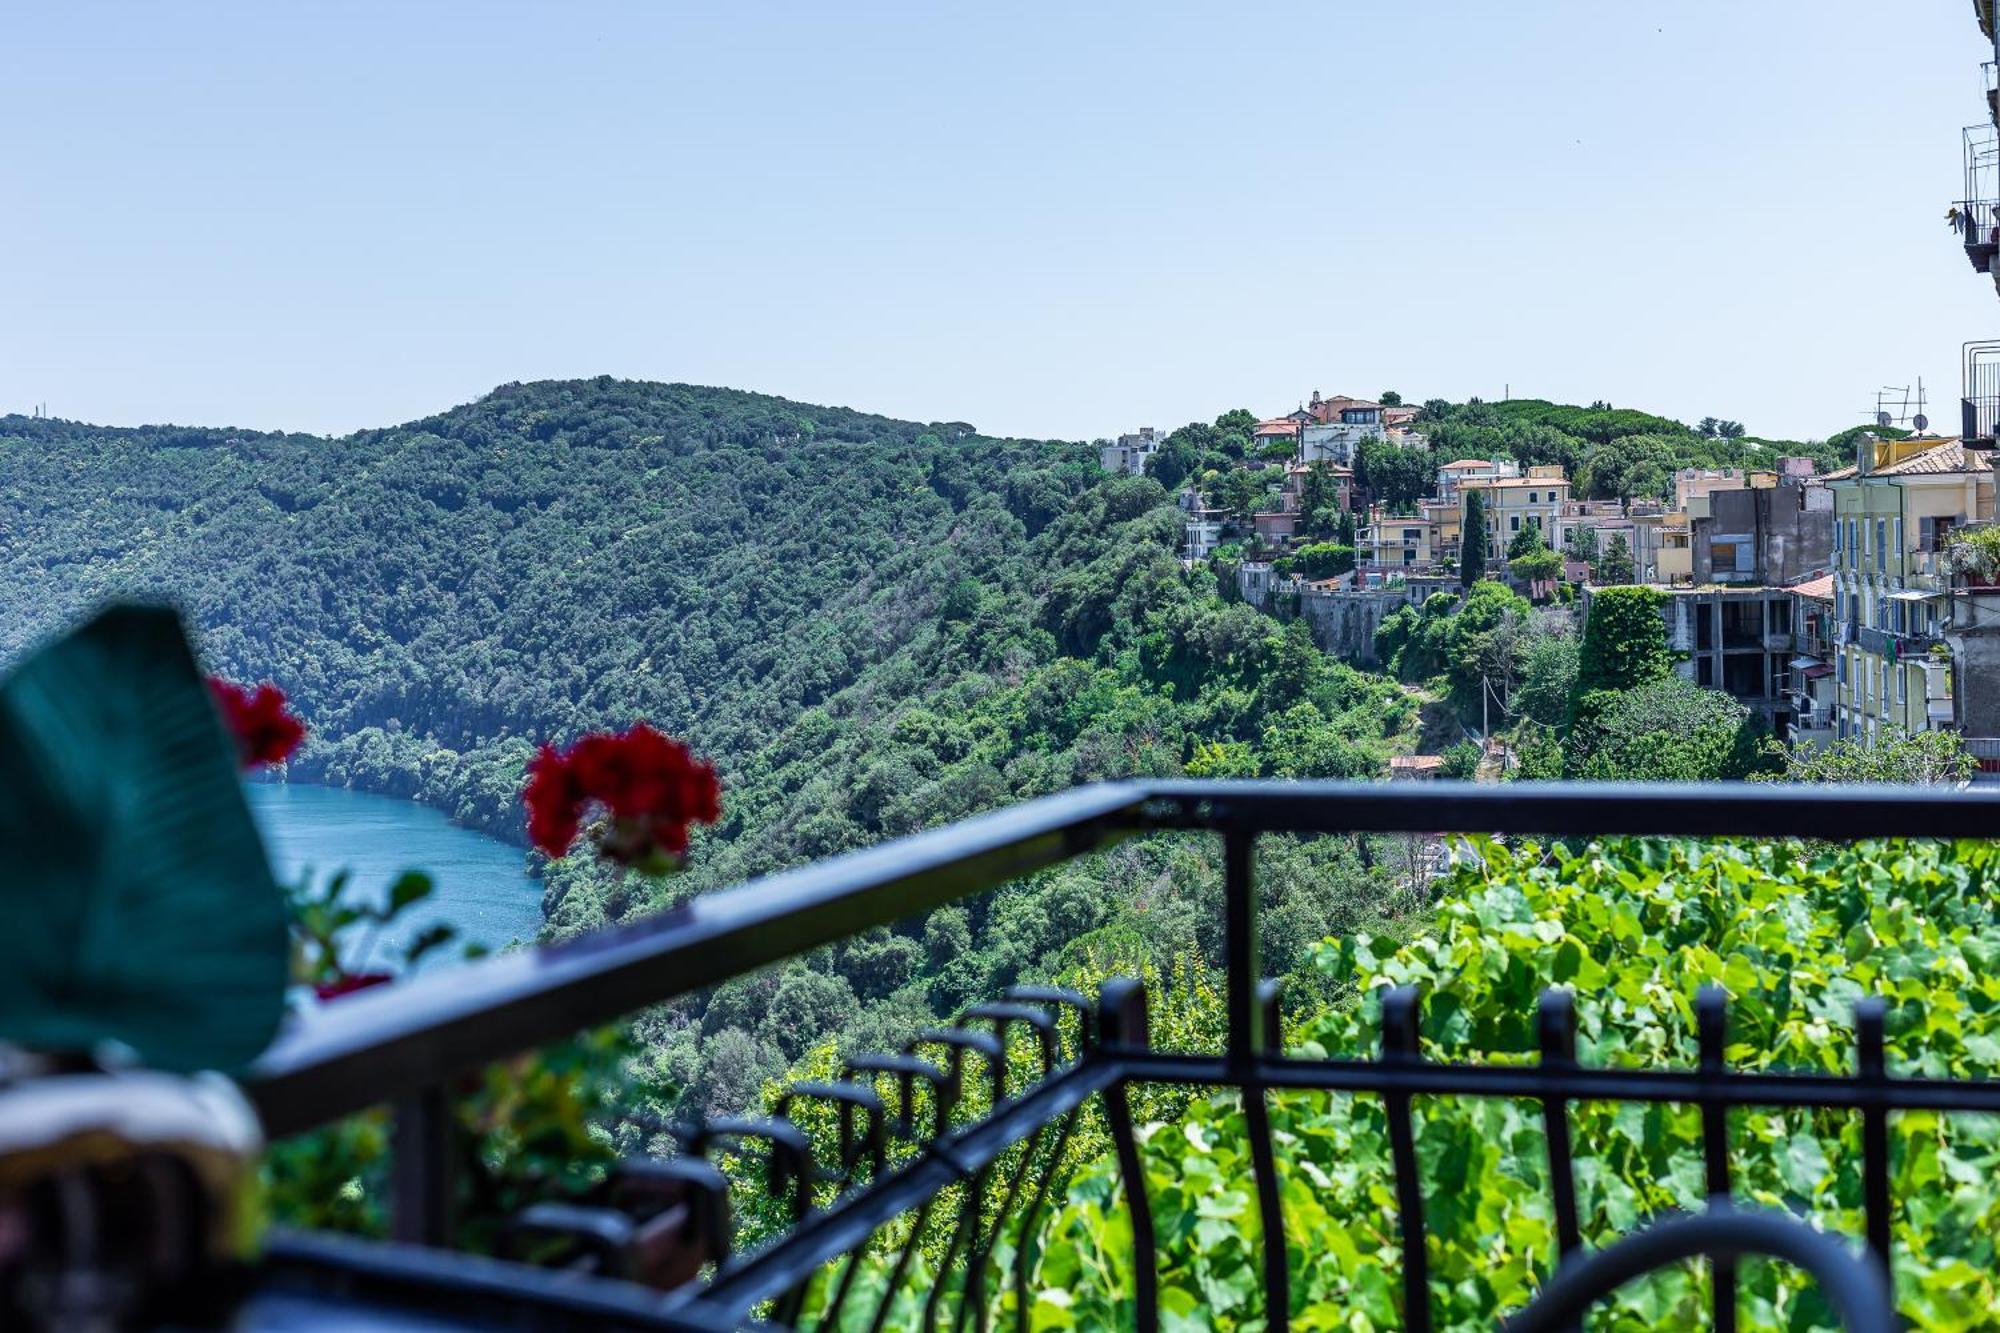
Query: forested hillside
[(439, 596), (870, 626)]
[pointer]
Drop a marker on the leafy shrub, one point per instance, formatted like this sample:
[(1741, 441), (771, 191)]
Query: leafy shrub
[(1634, 927)]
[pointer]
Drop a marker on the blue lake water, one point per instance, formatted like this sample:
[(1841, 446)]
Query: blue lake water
[(483, 887)]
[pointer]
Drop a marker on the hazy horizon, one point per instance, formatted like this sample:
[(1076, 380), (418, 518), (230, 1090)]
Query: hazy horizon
[(1049, 223)]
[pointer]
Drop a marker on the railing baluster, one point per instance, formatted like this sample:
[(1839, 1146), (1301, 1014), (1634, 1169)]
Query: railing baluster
[(422, 1172), (1870, 1032), (1121, 1023), (896, 1274), (1248, 1023), (1399, 1049), (1263, 1164), (1557, 1024), (963, 1233), (1711, 1012), (1022, 1267)]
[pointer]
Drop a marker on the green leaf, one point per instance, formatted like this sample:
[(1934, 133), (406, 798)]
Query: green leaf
[(140, 908), (411, 887), (431, 938)]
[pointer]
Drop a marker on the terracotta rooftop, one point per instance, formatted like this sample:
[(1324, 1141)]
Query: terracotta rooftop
[(1820, 589), (1465, 464), (1277, 426), (1944, 457)]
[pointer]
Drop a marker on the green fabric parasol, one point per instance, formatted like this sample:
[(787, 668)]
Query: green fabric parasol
[(135, 901)]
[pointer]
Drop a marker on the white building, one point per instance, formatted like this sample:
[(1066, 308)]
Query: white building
[(1336, 441), (1129, 453)]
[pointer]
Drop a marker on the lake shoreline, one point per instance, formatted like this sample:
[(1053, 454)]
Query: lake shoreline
[(485, 889)]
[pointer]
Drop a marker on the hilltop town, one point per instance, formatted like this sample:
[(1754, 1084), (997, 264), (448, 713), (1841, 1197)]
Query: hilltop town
[(1856, 604)]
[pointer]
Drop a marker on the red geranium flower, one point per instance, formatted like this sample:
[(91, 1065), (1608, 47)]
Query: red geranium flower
[(349, 983), (554, 801), (650, 787), (265, 731)]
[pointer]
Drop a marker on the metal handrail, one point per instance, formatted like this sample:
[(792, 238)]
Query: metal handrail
[(406, 1044), (379, 1046)]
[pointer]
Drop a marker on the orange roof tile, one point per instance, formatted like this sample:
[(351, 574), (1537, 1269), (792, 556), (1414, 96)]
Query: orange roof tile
[(1946, 457)]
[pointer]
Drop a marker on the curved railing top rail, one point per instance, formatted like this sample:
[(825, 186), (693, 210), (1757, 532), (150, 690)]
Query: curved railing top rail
[(379, 1046)]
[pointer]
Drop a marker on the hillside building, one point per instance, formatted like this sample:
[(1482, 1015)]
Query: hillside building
[(1893, 590), (1514, 503), (1389, 543), (1129, 454), (1810, 687), (1737, 640), (1776, 534), (1453, 475)]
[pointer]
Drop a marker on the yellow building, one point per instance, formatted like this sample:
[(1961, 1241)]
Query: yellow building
[(1443, 516), (1892, 589), (1395, 543), (1512, 503)]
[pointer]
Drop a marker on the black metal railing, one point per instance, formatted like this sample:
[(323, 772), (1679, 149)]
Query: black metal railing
[(1979, 389), (970, 1186)]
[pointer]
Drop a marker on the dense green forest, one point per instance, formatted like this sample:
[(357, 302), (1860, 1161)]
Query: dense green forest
[(439, 596), (870, 626)]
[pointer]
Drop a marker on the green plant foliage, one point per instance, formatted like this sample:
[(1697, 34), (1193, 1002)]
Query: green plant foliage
[(1528, 541), (1461, 761), (529, 1129), (1472, 540), (1548, 678), (1323, 560), (1669, 730), (139, 907), (1470, 640), (1923, 759), (1614, 566), (1609, 453), (1395, 476), (1624, 641), (1795, 935), (1977, 552)]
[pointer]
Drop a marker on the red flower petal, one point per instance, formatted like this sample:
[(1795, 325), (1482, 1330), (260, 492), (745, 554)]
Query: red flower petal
[(266, 731)]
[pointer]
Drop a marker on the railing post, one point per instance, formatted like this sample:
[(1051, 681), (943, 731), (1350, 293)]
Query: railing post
[(1122, 1025), (1557, 1033), (422, 1176), (1401, 1018), (1253, 1022), (1711, 1014), (1870, 1031)]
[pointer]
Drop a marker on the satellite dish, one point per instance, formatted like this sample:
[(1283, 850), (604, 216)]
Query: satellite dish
[(1884, 419), (1921, 422)]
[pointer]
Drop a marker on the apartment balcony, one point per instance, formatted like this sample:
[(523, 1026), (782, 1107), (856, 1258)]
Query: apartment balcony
[(1978, 224), (945, 1149), (1979, 388)]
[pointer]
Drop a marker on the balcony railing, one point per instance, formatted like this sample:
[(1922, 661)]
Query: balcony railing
[(1979, 404), (408, 1046)]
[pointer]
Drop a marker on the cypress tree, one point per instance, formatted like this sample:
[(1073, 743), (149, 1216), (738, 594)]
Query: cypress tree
[(1472, 540)]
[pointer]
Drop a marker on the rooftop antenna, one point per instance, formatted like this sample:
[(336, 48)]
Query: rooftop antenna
[(1899, 405)]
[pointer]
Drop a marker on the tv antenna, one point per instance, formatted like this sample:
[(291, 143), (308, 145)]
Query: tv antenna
[(1899, 405)]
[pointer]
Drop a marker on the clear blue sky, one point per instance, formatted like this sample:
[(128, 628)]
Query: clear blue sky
[(1049, 219)]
